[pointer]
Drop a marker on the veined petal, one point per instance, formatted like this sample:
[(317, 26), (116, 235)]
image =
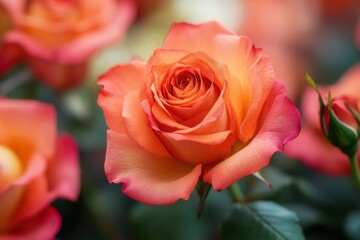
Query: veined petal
[(148, 178)]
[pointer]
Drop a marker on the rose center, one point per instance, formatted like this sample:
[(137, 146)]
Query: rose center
[(10, 166), (183, 81)]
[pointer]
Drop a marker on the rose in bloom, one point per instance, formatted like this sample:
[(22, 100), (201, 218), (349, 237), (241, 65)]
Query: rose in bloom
[(312, 147), (58, 37), (205, 106), (36, 167)]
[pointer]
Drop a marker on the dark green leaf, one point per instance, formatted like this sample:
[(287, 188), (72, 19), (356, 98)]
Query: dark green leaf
[(261, 220)]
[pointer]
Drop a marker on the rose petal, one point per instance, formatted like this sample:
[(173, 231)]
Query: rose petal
[(279, 124), (146, 177), (31, 122), (44, 226), (64, 169), (180, 34), (137, 127), (349, 83), (61, 181), (198, 149), (118, 82)]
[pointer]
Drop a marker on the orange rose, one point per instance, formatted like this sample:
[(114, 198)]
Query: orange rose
[(206, 105), (59, 37), (36, 167), (320, 154)]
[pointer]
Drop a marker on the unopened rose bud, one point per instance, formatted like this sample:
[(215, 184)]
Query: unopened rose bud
[(340, 120), (341, 125)]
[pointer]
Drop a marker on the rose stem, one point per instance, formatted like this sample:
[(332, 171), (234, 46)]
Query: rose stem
[(236, 193), (355, 169)]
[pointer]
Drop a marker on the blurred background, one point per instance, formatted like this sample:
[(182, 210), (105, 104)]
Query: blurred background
[(315, 36)]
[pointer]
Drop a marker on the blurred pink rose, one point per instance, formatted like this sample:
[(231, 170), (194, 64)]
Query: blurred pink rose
[(206, 105), (285, 30), (311, 146), (36, 167), (59, 37)]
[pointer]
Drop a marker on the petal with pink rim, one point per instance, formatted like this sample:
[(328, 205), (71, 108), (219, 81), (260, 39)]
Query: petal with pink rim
[(280, 123), (137, 127), (147, 178), (117, 82), (62, 180), (44, 226)]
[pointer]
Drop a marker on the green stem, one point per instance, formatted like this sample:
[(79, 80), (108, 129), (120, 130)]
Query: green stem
[(236, 193), (355, 169)]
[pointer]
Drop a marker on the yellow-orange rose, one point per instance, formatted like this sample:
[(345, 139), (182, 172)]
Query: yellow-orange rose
[(37, 166), (205, 105), (59, 37)]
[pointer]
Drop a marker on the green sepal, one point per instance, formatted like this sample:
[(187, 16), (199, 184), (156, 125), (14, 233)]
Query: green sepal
[(342, 135), (203, 191), (356, 115)]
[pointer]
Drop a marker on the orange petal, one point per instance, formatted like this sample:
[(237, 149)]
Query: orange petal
[(198, 149), (62, 180), (29, 122), (146, 177), (137, 126), (280, 123), (42, 226), (117, 82)]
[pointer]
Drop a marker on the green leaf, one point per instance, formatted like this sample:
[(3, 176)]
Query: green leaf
[(261, 220)]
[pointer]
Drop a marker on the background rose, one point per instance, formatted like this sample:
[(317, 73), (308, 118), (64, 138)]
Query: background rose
[(286, 30), (58, 37), (205, 105), (36, 167), (320, 154)]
